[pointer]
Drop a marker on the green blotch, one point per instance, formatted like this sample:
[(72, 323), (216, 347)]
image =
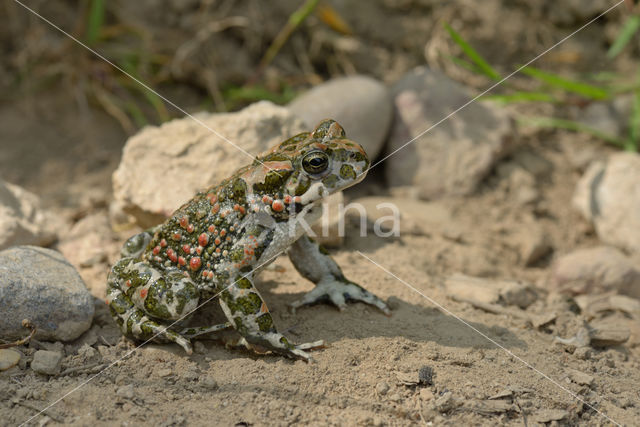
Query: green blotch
[(330, 180), (302, 186), (323, 250), (294, 140), (347, 172), (239, 188), (249, 304), (286, 342), (243, 283), (273, 181), (154, 304), (275, 157), (240, 326), (237, 255), (265, 323)]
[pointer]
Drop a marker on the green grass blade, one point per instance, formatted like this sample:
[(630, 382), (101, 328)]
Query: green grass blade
[(465, 64), (473, 55), (579, 88), (95, 21), (629, 28), (553, 123), (521, 97)]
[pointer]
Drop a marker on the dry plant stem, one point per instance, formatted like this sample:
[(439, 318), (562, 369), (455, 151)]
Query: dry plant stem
[(26, 323)]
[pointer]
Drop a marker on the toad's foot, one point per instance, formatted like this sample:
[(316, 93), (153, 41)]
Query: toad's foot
[(338, 293)]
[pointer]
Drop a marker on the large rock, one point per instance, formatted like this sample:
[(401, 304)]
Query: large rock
[(608, 194), (22, 221), (596, 270), (40, 285), (360, 104), (447, 157), (163, 167)]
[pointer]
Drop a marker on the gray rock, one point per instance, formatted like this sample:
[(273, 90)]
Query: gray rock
[(40, 285), (22, 221), (126, 391), (360, 104), (602, 116), (608, 194), (9, 358), (163, 167), (595, 271), (46, 362), (454, 155)]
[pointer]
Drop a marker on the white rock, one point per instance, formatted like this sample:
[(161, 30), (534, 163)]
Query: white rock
[(455, 154), (608, 194), (360, 104), (22, 221), (163, 167)]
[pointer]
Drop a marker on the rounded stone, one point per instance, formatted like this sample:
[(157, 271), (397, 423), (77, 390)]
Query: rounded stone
[(40, 285), (8, 358), (360, 104)]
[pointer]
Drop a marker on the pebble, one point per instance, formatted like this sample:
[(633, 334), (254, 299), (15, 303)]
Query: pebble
[(453, 157), (382, 388), (425, 375), (580, 377), (446, 402), (582, 353), (22, 220), (549, 415), (164, 166), (40, 285), (199, 348), (608, 195), (46, 362), (426, 394), (361, 104), (462, 287), (9, 358), (594, 271), (209, 383), (164, 372), (126, 391)]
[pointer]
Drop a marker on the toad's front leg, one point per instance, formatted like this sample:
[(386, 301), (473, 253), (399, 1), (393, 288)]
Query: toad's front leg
[(248, 313), (315, 264)]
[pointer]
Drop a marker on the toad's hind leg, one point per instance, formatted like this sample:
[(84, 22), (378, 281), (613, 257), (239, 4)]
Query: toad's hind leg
[(144, 301), (245, 309)]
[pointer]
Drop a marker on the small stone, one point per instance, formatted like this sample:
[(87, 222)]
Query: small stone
[(209, 383), (446, 402), (582, 353), (163, 373), (462, 287), (580, 377), (608, 335), (426, 394), (9, 358), (549, 415), (46, 362), (382, 388), (395, 397), (126, 391)]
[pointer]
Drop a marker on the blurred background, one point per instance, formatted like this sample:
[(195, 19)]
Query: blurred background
[(65, 113)]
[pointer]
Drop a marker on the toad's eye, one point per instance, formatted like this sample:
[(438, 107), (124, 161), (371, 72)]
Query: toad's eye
[(315, 162)]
